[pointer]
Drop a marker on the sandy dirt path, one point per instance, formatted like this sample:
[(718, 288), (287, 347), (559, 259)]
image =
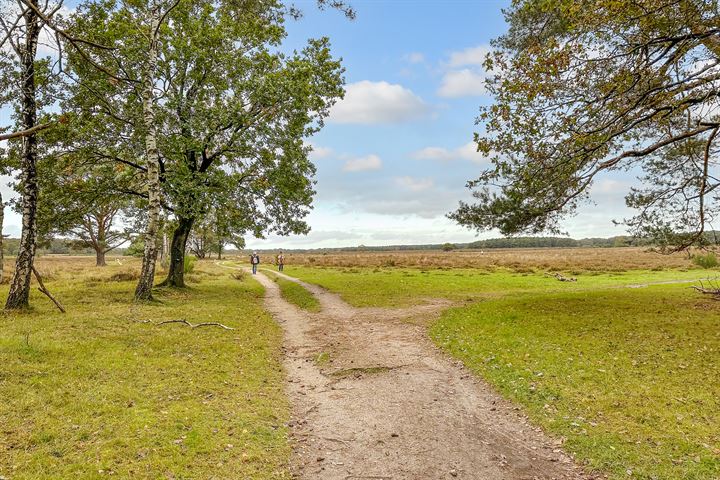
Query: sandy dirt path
[(373, 398)]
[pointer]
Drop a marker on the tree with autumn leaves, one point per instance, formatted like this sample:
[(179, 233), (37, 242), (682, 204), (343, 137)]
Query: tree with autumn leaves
[(586, 87)]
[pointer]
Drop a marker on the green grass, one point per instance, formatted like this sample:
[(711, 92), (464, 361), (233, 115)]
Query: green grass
[(367, 287), (628, 377), (95, 392), (295, 293)]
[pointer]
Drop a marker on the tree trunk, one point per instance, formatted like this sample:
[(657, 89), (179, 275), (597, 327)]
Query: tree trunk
[(144, 287), (19, 295), (2, 247), (176, 273), (100, 258)]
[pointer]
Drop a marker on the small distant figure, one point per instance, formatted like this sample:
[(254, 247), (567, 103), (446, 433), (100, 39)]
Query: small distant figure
[(280, 261), (254, 261)]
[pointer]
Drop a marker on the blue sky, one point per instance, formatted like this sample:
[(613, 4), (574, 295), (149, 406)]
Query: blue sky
[(394, 156)]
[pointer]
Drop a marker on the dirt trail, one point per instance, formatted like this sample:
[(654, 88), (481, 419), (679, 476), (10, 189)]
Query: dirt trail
[(389, 405)]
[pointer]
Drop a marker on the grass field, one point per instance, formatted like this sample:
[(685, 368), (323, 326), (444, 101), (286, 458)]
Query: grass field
[(401, 287), (627, 377), (97, 392)]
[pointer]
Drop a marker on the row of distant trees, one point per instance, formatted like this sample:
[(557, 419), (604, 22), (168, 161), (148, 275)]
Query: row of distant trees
[(134, 119)]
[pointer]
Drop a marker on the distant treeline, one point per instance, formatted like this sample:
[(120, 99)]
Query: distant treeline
[(57, 246), (510, 242), (60, 246)]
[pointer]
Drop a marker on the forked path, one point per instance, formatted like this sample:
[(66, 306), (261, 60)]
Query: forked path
[(374, 399)]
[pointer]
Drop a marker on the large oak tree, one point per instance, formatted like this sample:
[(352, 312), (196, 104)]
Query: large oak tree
[(232, 112)]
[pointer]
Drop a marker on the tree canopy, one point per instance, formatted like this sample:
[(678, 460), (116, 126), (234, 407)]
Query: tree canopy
[(591, 86), (233, 112)]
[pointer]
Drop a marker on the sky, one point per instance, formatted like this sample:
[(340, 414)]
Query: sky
[(396, 153)]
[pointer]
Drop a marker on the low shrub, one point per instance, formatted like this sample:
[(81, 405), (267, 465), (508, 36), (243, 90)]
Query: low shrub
[(709, 260)]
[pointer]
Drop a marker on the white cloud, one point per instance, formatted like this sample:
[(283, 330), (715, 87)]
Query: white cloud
[(462, 83), (318, 152), (434, 153), (414, 57), (470, 56), (415, 184), (465, 152), (369, 102), (362, 164), (465, 75)]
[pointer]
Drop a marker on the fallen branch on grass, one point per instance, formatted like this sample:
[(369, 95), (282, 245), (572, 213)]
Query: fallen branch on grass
[(712, 289), (46, 291), (561, 278), (191, 325)]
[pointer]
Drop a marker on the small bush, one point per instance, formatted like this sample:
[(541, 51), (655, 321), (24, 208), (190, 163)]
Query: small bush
[(189, 264), (709, 260)]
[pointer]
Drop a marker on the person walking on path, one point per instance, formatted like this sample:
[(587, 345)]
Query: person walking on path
[(254, 261), (281, 261)]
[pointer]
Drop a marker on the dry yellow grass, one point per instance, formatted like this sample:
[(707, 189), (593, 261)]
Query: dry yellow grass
[(551, 259)]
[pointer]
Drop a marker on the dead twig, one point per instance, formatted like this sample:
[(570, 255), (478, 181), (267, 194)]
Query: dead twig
[(561, 278), (45, 290), (712, 289), (194, 325)]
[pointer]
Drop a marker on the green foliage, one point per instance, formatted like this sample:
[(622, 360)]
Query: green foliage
[(708, 260), (189, 263), (583, 88), (100, 393), (136, 247), (233, 123), (448, 247)]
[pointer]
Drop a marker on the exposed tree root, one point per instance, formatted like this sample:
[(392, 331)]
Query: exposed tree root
[(46, 291)]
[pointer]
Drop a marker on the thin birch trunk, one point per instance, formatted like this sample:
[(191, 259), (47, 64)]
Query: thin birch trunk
[(19, 295), (147, 274), (2, 247)]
